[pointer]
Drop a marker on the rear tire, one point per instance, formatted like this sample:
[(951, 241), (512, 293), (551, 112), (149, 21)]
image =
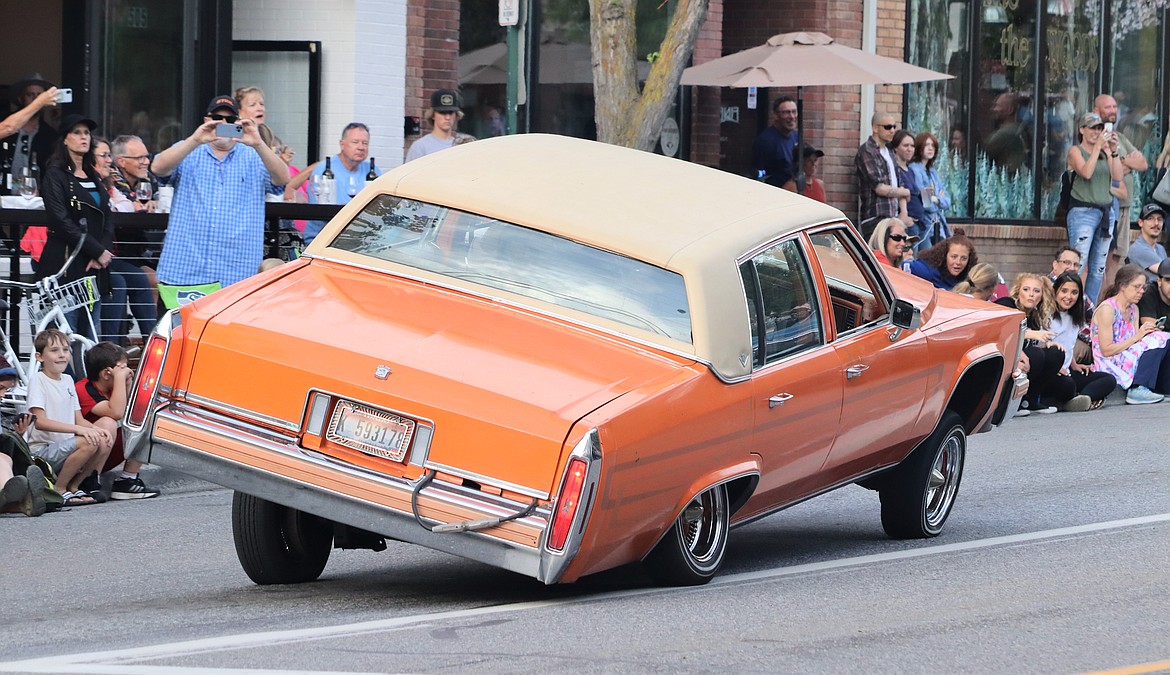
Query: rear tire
[(277, 544), (691, 551), (918, 494)]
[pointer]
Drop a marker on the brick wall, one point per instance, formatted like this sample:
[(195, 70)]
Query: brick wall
[(432, 55), (1016, 248), (363, 43), (705, 101)]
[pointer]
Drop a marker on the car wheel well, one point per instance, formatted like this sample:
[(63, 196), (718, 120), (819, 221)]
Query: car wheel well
[(739, 491), (975, 390)]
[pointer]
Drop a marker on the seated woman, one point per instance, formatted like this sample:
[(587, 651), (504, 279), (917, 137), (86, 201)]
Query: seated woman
[(1068, 321), (1131, 353), (1047, 388), (980, 282), (947, 262), (889, 241)]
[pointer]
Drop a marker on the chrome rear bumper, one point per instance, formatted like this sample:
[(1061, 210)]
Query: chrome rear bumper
[(270, 465)]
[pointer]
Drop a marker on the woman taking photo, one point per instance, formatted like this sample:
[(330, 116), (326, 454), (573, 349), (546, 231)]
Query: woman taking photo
[(1095, 164), (1131, 353), (889, 242), (902, 149), (947, 262), (935, 199), (77, 204), (1047, 388), (1068, 322)]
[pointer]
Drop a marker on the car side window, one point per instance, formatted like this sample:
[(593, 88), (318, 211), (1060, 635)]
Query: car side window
[(782, 303), (857, 298)]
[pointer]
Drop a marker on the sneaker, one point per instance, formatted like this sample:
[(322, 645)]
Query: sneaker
[(34, 503), (1078, 403), (15, 490), (1022, 412), (1139, 395), (1047, 410), (132, 488), (92, 486)]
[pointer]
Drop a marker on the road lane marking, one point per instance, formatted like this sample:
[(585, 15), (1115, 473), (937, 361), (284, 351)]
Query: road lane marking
[(118, 660), (1139, 669)]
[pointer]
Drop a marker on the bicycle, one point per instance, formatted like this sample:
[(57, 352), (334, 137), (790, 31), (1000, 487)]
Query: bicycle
[(47, 303)]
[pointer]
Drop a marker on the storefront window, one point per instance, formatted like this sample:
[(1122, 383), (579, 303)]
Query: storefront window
[(939, 42), (483, 69), (1003, 115), (1136, 75), (143, 39), (1071, 73)]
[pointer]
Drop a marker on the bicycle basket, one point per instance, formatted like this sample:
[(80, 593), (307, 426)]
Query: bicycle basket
[(69, 296)]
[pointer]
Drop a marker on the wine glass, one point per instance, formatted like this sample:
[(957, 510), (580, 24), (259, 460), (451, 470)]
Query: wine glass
[(315, 188), (27, 187), (144, 192), (351, 187)]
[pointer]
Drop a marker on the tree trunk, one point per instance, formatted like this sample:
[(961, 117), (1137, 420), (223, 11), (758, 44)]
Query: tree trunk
[(623, 115)]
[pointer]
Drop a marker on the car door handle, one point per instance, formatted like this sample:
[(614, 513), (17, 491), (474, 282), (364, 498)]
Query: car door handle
[(778, 399), (855, 371)]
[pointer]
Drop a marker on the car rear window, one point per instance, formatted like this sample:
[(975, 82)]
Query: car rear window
[(522, 261)]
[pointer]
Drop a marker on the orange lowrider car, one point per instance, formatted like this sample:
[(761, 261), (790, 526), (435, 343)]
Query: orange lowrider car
[(558, 357)]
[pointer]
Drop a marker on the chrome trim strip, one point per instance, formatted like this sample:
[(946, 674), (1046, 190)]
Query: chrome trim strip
[(487, 480), (236, 411), (341, 508)]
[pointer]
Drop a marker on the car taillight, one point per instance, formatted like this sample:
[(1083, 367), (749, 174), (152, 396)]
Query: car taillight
[(568, 501), (147, 382)]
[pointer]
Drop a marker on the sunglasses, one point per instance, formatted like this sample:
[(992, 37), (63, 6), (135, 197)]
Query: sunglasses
[(898, 237), (888, 127), (230, 119)]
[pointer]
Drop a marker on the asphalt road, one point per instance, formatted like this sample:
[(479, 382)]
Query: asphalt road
[(1054, 561)]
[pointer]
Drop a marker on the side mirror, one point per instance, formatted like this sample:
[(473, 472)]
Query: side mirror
[(905, 315)]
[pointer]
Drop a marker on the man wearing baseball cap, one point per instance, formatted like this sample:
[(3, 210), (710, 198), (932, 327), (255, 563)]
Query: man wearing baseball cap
[(215, 235), (444, 114), (26, 132), (1145, 251)]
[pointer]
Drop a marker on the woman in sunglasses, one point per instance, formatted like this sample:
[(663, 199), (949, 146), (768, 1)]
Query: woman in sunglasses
[(889, 241)]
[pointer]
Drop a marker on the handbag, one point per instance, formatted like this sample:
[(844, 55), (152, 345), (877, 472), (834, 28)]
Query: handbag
[(1162, 191)]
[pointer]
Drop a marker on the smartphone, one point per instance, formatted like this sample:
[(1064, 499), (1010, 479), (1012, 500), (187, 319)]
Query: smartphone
[(1109, 127), (225, 130), (64, 96), (1160, 323)]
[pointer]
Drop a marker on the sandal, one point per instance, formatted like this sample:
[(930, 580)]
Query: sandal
[(1096, 404), (79, 498)]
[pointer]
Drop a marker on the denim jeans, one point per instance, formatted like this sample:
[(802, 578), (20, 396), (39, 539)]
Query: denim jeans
[(1091, 238), (127, 281)]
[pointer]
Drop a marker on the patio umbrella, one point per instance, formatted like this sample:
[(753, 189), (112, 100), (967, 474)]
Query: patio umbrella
[(804, 60)]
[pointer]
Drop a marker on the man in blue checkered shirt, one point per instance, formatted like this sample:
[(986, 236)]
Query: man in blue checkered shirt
[(215, 235)]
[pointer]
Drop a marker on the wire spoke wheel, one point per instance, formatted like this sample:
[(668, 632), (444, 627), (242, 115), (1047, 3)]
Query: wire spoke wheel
[(691, 551)]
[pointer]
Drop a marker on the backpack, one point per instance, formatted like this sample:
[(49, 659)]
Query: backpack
[(14, 445), (1066, 183)]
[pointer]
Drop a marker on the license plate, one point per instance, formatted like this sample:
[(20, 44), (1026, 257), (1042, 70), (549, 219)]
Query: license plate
[(371, 431)]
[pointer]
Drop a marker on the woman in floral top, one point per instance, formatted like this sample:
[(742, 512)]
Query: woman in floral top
[(1133, 354)]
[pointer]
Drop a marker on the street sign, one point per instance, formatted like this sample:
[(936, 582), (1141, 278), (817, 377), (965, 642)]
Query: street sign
[(509, 12)]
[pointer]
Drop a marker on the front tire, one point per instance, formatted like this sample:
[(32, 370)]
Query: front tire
[(691, 551), (918, 495), (277, 544)]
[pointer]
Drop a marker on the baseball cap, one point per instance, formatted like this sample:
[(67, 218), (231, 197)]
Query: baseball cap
[(20, 85), (223, 101), (1164, 268), (6, 369), (1150, 209), (446, 100), (73, 120), (912, 239), (810, 151), (1091, 119)]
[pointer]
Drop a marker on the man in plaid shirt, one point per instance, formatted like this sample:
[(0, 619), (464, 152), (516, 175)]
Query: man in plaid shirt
[(876, 179)]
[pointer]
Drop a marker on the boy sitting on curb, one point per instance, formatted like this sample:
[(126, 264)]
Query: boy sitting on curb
[(72, 445), (103, 396)]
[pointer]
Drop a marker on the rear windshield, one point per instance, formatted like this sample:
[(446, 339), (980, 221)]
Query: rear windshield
[(520, 260)]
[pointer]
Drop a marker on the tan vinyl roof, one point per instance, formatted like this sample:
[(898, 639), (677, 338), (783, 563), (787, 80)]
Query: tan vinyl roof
[(678, 215)]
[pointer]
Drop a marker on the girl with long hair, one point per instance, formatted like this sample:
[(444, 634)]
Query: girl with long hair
[(1069, 319), (1047, 387), (947, 262)]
